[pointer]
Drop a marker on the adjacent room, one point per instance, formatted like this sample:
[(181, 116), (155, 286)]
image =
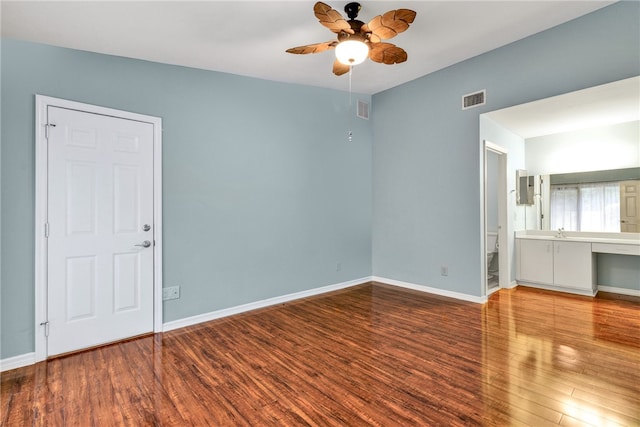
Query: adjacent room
[(209, 217)]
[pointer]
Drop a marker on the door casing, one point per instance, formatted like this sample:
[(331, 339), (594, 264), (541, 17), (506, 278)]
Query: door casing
[(41, 215), (503, 258)]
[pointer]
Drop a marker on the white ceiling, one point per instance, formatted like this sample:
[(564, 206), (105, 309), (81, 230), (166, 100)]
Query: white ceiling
[(249, 38), (609, 104)]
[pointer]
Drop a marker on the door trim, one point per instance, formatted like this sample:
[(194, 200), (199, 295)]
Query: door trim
[(41, 214), (503, 259)]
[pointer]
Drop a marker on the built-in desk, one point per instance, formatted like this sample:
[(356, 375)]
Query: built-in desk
[(567, 263), (615, 248)]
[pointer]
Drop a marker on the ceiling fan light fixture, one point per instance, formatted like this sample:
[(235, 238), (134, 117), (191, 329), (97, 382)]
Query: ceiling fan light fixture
[(358, 41), (352, 52)]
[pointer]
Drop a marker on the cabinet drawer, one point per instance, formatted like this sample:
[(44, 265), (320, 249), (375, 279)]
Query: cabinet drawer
[(612, 248)]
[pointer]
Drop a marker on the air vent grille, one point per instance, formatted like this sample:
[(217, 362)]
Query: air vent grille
[(363, 109), (475, 99)]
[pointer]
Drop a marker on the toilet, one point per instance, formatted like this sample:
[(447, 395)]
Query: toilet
[(492, 253)]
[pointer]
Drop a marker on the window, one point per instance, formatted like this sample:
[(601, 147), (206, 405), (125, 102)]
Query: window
[(586, 207)]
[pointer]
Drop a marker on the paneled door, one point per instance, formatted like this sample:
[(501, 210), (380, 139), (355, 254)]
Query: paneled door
[(100, 229), (630, 206)]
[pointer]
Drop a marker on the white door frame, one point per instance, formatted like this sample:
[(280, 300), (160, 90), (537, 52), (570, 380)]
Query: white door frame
[(41, 215), (503, 259)]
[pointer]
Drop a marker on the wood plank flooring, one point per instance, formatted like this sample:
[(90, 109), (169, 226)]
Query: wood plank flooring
[(368, 355)]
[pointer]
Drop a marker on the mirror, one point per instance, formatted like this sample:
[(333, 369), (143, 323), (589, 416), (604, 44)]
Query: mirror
[(604, 201), (587, 136), (524, 188)]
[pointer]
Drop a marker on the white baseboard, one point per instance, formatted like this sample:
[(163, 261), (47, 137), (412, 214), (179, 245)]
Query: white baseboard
[(427, 289), (622, 291), (574, 291), (205, 317), (17, 361), (512, 285), (30, 358)]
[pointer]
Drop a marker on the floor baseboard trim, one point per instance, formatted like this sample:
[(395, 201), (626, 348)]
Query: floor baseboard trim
[(17, 362), (427, 289), (622, 291), (512, 285), (205, 317), (30, 358)]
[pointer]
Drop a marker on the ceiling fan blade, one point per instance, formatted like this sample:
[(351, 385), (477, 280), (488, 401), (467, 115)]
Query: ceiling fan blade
[(367, 33), (331, 18), (391, 23), (313, 48), (387, 53), (339, 68)]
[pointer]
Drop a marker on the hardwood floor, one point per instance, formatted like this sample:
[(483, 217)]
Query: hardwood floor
[(367, 355)]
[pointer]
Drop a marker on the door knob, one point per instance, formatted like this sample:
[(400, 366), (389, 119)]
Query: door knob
[(144, 244), (146, 227)]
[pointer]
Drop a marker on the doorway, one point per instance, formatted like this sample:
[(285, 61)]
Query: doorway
[(495, 260), (630, 206), (98, 226)]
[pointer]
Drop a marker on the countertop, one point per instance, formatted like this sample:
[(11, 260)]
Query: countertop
[(576, 236)]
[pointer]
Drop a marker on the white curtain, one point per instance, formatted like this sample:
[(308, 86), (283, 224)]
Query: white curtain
[(586, 207), (600, 207), (564, 207)]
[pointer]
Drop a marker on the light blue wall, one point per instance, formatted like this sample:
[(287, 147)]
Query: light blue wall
[(426, 164), (618, 271), (263, 195)]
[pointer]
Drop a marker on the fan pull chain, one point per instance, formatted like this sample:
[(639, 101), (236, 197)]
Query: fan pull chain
[(350, 133), (350, 73)]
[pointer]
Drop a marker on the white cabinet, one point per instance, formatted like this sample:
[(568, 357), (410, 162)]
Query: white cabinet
[(572, 265), (556, 264), (536, 261)]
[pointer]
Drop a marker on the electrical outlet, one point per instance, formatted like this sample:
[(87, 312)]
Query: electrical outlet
[(338, 266), (171, 293), (444, 270)]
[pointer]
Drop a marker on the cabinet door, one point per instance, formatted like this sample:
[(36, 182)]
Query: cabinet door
[(536, 261), (573, 265)]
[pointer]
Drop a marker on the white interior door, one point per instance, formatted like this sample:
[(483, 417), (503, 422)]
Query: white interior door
[(630, 206), (100, 229)]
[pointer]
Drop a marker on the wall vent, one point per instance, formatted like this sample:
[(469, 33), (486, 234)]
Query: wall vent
[(363, 109), (475, 99)]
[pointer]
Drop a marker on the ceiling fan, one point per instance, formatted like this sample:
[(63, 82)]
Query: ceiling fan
[(356, 40)]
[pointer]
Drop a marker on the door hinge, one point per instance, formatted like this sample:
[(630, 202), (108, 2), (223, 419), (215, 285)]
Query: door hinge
[(46, 230), (46, 129), (46, 328)]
